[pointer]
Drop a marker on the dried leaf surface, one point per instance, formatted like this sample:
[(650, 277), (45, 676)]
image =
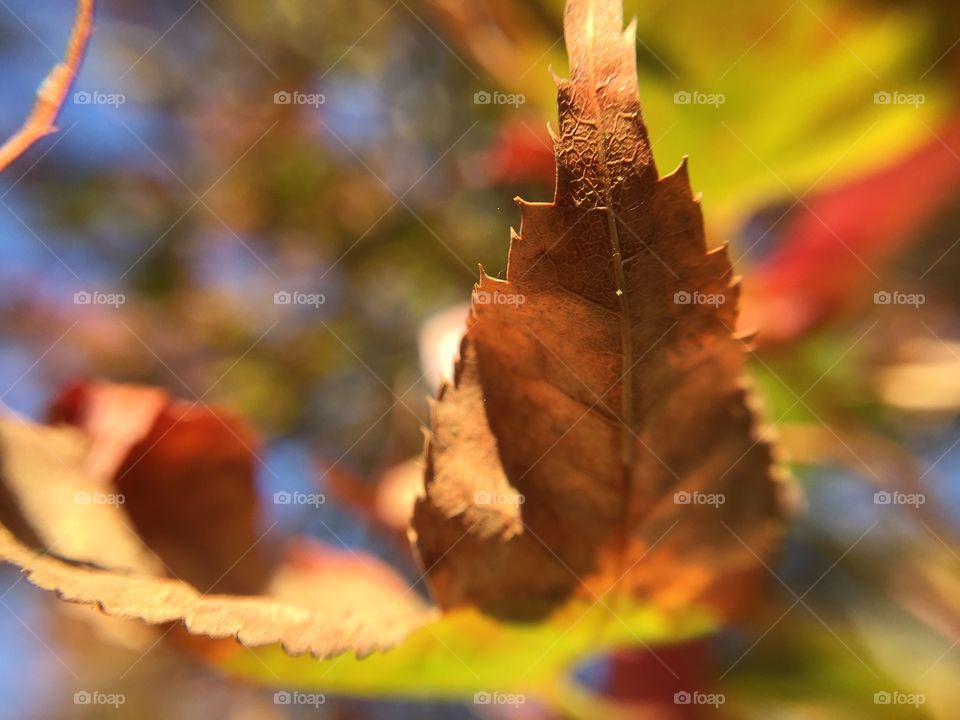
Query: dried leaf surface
[(597, 381), (48, 499)]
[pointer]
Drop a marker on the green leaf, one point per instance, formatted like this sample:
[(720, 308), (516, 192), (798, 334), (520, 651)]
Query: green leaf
[(466, 652)]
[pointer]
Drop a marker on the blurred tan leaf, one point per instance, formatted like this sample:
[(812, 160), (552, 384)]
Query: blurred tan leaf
[(923, 376), (372, 615), (598, 380), (439, 342), (48, 499), (397, 493)]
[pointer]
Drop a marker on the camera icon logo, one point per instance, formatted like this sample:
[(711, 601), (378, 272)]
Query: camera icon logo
[(282, 97), (482, 698), (82, 97), (682, 698), (82, 697), (682, 498), (682, 297), (682, 97), (882, 297), (282, 297), (82, 297), (282, 498), (881, 698), (882, 97), (882, 497), (482, 97), (282, 697)]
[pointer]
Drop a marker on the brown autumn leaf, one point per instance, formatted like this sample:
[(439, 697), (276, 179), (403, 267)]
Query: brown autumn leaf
[(186, 473), (595, 382), (572, 394), (310, 572), (67, 540)]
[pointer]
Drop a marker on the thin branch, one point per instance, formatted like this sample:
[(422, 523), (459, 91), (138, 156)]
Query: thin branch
[(53, 92)]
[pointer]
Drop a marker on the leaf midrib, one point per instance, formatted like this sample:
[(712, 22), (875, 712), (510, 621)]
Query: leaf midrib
[(627, 447), (623, 299)]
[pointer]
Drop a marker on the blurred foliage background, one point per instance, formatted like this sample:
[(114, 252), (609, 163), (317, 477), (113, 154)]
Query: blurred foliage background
[(828, 158)]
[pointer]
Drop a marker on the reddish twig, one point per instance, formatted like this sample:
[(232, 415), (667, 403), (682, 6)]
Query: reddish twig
[(53, 92)]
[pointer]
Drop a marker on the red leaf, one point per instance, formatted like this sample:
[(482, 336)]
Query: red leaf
[(186, 472)]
